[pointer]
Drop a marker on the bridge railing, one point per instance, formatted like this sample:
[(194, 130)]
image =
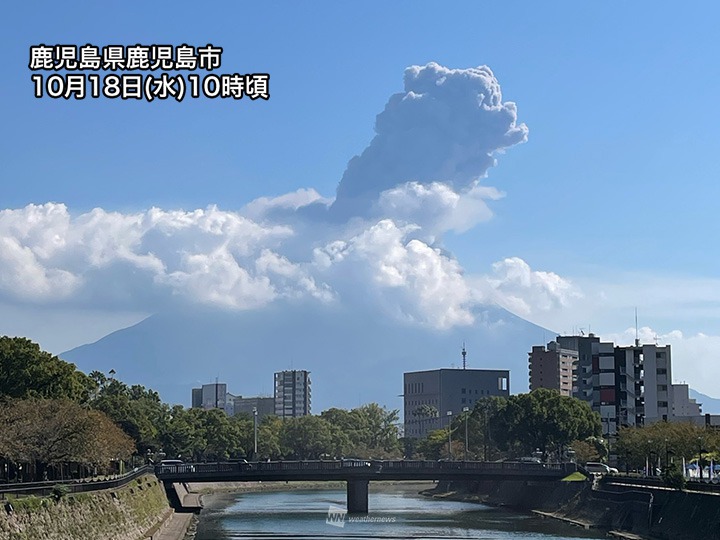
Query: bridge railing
[(512, 467)]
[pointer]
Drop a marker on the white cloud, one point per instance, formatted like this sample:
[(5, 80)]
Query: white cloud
[(283, 205), (437, 207), (48, 255), (523, 291), (378, 242), (405, 276)]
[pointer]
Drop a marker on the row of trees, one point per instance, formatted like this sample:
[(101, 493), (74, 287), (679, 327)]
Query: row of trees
[(56, 414), (519, 425), (664, 442), (48, 433)]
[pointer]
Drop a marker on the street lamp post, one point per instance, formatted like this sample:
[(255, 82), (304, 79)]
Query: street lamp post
[(449, 415), (700, 445), (465, 410), (255, 430), (485, 435)]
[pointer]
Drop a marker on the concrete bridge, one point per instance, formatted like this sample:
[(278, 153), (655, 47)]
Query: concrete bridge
[(358, 473)]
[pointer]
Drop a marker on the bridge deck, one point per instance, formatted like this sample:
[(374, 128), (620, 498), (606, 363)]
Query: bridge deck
[(360, 470)]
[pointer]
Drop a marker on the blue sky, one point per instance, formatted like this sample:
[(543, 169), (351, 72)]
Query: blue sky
[(613, 192)]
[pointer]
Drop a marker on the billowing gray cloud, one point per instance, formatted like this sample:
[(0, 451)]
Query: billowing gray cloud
[(445, 127)]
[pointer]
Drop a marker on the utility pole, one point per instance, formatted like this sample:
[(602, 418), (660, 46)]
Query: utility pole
[(449, 415), (485, 435), (465, 410), (255, 431), (700, 445)]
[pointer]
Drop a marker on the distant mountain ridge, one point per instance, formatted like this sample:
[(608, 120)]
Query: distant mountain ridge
[(354, 357), (709, 404)]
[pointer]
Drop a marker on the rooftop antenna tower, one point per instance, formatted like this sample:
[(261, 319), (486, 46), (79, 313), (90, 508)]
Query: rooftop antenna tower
[(637, 338), (464, 355)]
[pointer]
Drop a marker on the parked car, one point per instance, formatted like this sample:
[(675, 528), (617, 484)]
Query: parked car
[(599, 468), (355, 462)]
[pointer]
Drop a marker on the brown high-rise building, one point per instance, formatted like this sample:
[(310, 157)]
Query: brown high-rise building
[(552, 368)]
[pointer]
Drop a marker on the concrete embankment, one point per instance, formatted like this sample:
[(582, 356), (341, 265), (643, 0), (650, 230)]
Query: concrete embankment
[(137, 510), (625, 512)]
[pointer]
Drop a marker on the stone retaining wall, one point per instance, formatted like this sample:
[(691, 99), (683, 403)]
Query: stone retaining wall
[(125, 513)]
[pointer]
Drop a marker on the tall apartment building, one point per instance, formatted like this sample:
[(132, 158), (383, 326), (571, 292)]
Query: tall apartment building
[(213, 396), (552, 368), (583, 383), (446, 390), (292, 393), (627, 385)]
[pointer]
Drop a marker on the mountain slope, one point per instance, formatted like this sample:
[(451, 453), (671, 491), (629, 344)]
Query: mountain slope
[(709, 404), (354, 357)]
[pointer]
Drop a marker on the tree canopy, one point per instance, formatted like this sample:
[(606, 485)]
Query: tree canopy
[(542, 420), (26, 371)]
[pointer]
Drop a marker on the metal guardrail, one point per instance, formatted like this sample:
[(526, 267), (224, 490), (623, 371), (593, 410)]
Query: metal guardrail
[(44, 489), (650, 481)]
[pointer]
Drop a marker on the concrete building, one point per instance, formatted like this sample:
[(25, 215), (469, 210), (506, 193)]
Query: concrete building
[(292, 393), (656, 364), (682, 404), (628, 385), (430, 395), (552, 368), (196, 398), (213, 396), (265, 406), (583, 376)]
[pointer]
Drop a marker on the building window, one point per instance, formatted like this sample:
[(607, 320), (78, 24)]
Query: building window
[(462, 390), (462, 401), (661, 371)]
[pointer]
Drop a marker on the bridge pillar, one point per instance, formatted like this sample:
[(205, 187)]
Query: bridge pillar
[(357, 496)]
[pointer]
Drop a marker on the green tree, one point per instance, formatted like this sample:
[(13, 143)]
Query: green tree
[(26, 371), (311, 437), (370, 430), (182, 434), (269, 432), (434, 446), (542, 420), (663, 441), (137, 410)]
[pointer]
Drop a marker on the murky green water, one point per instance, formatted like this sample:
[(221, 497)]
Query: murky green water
[(396, 512)]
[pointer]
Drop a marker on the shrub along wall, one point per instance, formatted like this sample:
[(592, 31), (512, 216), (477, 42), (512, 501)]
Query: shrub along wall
[(119, 514)]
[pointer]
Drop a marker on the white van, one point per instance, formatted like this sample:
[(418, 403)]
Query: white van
[(175, 465), (599, 468)]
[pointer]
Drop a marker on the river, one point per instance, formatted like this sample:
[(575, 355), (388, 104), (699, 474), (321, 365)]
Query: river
[(395, 512)]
